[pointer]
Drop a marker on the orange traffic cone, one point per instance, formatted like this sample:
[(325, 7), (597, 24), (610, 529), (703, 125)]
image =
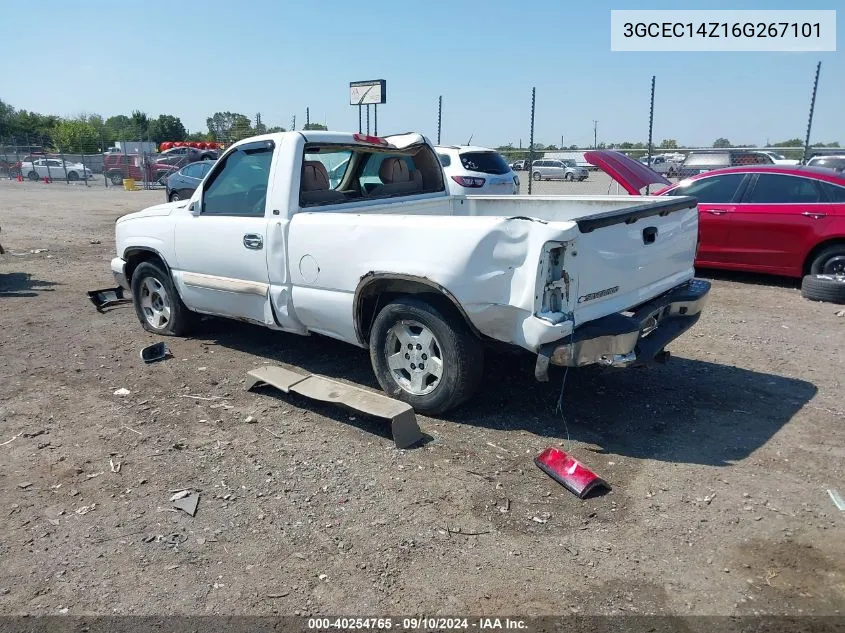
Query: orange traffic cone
[(46, 180), (20, 178)]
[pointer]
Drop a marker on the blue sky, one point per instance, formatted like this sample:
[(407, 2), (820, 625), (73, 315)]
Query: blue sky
[(277, 58)]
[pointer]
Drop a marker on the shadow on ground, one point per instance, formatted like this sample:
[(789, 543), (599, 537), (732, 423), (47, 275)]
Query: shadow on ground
[(689, 411), (23, 285), (756, 279)]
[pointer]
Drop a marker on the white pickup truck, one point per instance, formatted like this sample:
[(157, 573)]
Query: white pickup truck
[(381, 256)]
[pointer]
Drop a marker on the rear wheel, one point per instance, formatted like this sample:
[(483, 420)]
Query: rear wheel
[(33, 176), (116, 178), (174, 197), (536, 176), (157, 303), (829, 261), (424, 356), (72, 176)]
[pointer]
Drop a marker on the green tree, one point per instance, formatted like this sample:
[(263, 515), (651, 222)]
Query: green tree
[(275, 128), (721, 142), (314, 126), (668, 143), (76, 137), (166, 128), (141, 123), (199, 136), (793, 142), (228, 127)]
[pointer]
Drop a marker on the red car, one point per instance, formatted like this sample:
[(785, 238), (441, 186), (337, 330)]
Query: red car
[(777, 219)]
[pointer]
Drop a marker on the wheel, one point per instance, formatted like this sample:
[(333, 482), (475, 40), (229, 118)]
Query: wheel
[(830, 261), (568, 177), (425, 357), (72, 176), (536, 176), (174, 197), (830, 288), (116, 178), (157, 303), (33, 176)]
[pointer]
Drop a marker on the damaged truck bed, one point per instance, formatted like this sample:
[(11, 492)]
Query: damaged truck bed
[(356, 238)]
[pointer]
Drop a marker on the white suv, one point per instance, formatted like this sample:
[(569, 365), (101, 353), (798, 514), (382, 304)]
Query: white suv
[(477, 171)]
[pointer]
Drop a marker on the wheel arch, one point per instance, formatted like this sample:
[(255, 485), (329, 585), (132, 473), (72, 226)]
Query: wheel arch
[(136, 255), (811, 255), (376, 289)]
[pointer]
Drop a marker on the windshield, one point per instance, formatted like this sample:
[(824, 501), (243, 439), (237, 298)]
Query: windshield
[(485, 162)]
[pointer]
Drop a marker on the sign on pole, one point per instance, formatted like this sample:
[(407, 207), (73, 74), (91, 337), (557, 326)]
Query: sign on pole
[(369, 92)]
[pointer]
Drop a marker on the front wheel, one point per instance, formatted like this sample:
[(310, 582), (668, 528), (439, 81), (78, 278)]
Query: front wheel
[(537, 176), (72, 176), (116, 179), (568, 177), (424, 356), (33, 176), (157, 303)]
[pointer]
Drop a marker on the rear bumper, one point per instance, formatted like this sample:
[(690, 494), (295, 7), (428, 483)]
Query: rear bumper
[(118, 269), (628, 338)]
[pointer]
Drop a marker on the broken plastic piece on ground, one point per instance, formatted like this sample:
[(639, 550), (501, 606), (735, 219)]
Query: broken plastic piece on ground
[(188, 503), (107, 298), (837, 500), (154, 352), (406, 431), (569, 472)]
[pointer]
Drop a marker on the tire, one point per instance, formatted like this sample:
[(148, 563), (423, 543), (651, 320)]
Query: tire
[(72, 176), (410, 321), (33, 176), (116, 178), (174, 197), (157, 303), (568, 177), (829, 288), (536, 176), (829, 261)]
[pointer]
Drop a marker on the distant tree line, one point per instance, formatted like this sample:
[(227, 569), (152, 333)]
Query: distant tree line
[(93, 133)]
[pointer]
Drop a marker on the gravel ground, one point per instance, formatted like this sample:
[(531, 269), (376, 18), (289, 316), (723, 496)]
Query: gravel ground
[(719, 461)]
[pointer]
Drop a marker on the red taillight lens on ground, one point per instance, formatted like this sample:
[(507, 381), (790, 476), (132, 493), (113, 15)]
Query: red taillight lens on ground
[(468, 181), (569, 472), (365, 138)]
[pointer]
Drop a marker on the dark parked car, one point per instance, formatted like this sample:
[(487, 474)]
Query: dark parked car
[(185, 155), (700, 162), (182, 184)]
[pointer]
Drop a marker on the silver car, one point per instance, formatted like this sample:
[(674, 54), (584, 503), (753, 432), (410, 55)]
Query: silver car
[(554, 169)]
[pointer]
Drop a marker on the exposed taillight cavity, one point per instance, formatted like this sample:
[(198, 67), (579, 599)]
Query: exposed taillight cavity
[(469, 181), (372, 140)]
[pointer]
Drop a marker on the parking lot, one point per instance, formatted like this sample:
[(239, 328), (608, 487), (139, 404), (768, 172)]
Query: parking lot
[(720, 461)]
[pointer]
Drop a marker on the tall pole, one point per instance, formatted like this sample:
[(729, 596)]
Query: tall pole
[(368, 118), (375, 119), (595, 134), (531, 140), (360, 128), (812, 108), (650, 126), (307, 116), (439, 116), (293, 123)]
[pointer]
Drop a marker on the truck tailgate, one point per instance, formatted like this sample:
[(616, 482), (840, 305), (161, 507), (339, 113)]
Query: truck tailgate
[(625, 257)]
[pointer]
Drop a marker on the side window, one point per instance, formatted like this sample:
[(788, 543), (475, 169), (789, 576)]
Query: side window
[(712, 190), (444, 159), (782, 189), (238, 185), (835, 193), (191, 171), (204, 167)]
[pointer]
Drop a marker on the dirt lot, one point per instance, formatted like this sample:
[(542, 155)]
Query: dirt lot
[(719, 462)]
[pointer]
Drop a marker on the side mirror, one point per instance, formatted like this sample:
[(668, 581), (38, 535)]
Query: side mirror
[(195, 207)]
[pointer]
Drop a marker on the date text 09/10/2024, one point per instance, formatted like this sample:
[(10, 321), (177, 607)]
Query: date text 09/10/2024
[(415, 623)]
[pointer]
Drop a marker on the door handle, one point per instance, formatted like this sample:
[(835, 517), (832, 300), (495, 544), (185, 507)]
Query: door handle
[(717, 211), (253, 241), (814, 215)]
